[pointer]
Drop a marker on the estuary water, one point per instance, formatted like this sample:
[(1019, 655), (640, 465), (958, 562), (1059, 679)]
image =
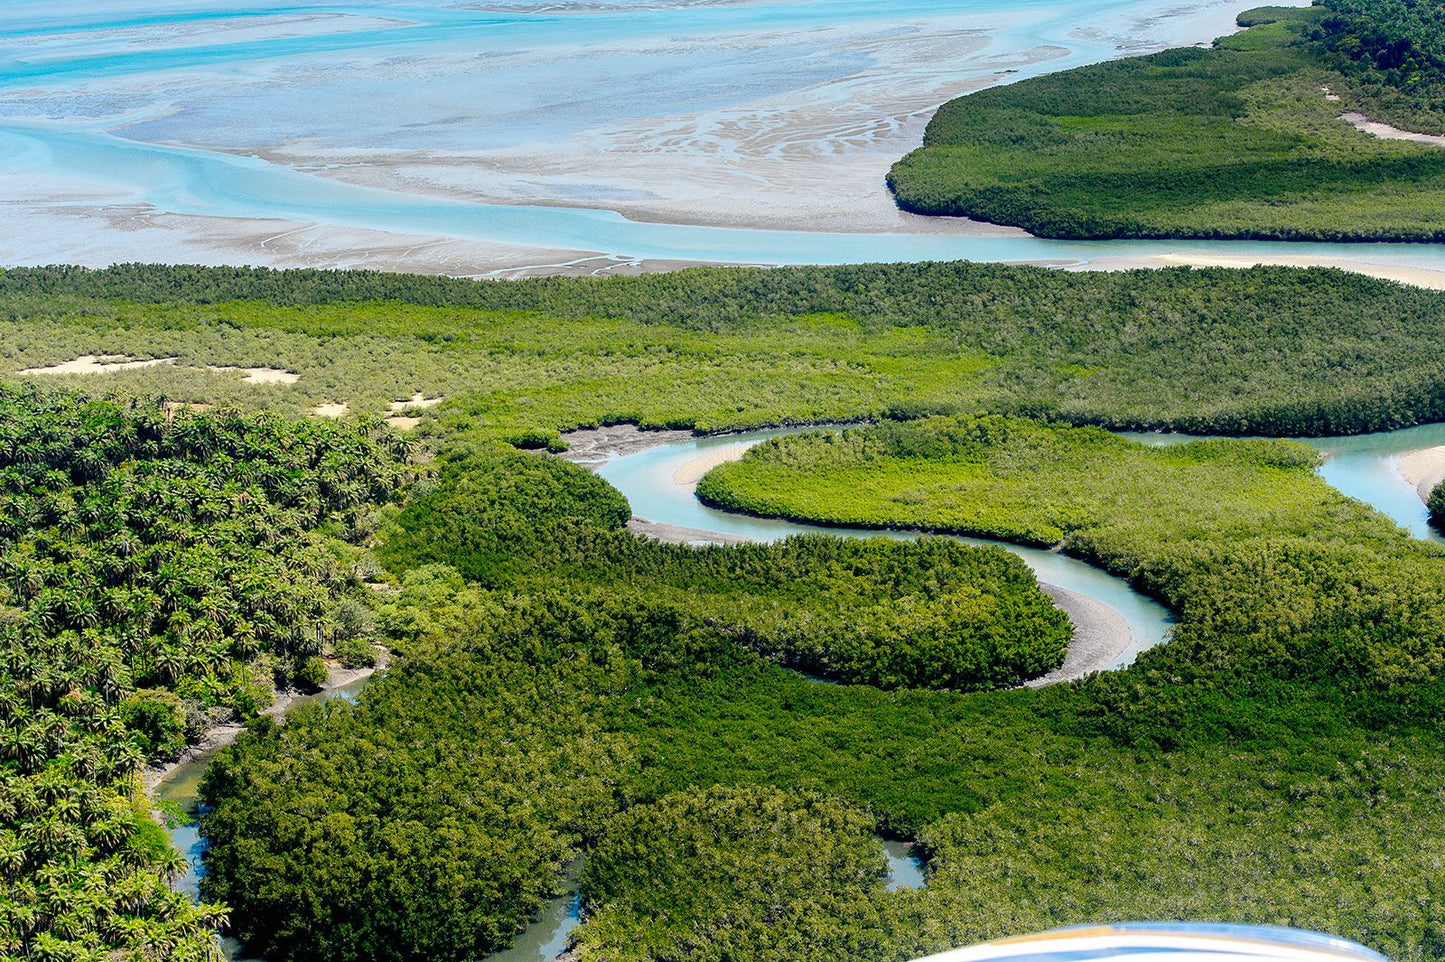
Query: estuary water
[(519, 136)]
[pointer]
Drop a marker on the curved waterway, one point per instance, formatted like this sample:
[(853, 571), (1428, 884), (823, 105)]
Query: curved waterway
[(659, 482)]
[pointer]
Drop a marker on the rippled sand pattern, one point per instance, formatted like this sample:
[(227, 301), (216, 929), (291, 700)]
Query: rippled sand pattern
[(426, 135)]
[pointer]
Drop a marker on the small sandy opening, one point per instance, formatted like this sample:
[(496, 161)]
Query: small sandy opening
[(419, 400), (331, 410), (259, 375), (98, 364)]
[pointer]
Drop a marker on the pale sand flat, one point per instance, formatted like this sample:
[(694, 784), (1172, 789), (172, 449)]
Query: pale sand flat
[(1414, 276), (333, 410), (1385, 132), (403, 424), (260, 375), (1101, 635), (1424, 469), (97, 364), (689, 474), (419, 400)]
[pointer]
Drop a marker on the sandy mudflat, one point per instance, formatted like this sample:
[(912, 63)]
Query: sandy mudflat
[(1101, 635), (218, 736), (1386, 132), (1415, 276), (594, 447), (675, 534), (419, 400), (691, 473), (1424, 469), (336, 409)]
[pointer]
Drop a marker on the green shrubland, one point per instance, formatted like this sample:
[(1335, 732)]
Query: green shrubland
[(1264, 351), (1268, 567), (563, 687), (1237, 141)]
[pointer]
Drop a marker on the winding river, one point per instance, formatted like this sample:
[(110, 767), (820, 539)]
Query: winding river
[(659, 482)]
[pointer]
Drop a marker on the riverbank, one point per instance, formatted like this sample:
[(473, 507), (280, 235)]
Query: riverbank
[(1424, 469), (221, 735)]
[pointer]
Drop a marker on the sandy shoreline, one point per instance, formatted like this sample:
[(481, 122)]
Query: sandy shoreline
[(1424, 469), (218, 736), (1101, 634), (1400, 273)]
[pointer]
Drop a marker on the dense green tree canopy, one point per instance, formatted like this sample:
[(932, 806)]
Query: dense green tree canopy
[(1243, 140)]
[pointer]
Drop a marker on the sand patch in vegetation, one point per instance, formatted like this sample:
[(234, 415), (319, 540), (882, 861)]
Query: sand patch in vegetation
[(98, 364), (403, 423), (418, 401), (690, 473), (1385, 132), (259, 375), (333, 409)]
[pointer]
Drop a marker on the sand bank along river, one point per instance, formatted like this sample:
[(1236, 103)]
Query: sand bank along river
[(512, 137)]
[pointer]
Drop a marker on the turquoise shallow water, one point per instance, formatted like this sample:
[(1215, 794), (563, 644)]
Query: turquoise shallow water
[(115, 109)]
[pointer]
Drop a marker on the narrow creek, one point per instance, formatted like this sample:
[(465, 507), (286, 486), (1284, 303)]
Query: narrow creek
[(659, 483)]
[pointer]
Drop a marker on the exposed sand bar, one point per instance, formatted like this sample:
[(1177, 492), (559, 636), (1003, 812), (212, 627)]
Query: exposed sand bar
[(98, 364), (1101, 636), (1424, 469), (691, 473)]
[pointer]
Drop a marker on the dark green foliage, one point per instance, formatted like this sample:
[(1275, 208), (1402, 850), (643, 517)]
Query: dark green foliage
[(1436, 504), (497, 517), (735, 873), (929, 614), (1394, 50), (148, 564), (430, 821), (1235, 142), (157, 719)]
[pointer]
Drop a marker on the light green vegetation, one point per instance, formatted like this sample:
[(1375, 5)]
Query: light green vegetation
[(1265, 563), (1237, 141), (1269, 350)]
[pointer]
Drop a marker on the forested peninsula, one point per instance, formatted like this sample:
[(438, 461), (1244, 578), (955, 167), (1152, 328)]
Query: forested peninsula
[(1311, 124), (722, 732)]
